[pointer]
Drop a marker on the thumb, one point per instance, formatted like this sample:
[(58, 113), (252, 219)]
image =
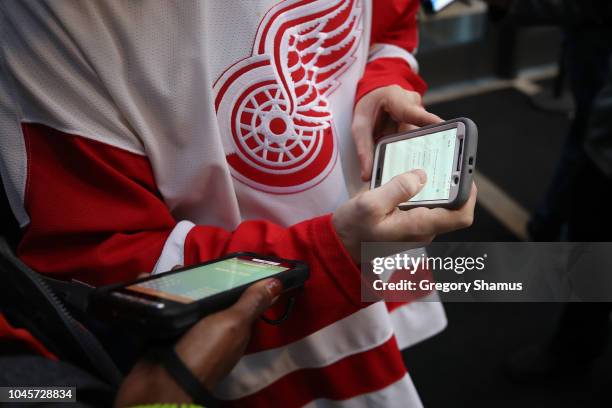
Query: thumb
[(257, 298), (401, 188)]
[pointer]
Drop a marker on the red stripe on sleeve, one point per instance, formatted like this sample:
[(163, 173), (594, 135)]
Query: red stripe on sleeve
[(389, 71), (383, 363), (393, 22)]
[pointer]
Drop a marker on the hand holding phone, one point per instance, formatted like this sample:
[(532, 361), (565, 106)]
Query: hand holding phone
[(167, 304), (445, 151), (379, 112), (210, 349), (374, 216)]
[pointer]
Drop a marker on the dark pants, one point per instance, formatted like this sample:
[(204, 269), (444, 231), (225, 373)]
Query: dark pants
[(590, 210), (587, 60), (585, 326), (580, 195)]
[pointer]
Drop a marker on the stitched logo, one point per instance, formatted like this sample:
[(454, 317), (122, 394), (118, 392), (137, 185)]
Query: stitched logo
[(274, 103)]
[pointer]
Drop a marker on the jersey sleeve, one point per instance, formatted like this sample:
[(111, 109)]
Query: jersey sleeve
[(96, 215), (393, 43)]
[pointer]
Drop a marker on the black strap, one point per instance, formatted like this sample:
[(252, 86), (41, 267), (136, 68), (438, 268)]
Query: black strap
[(187, 380), (74, 293), (285, 316), (28, 299)]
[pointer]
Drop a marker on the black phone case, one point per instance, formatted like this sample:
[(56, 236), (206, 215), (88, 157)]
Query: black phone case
[(173, 321), (470, 145)]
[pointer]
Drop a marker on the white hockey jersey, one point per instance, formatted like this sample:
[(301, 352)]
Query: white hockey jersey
[(139, 135)]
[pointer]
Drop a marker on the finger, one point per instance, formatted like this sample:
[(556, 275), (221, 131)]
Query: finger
[(453, 220), (456, 219), (362, 133), (442, 220), (425, 222), (387, 126), (402, 108), (415, 115), (399, 189), (256, 299), (406, 127)]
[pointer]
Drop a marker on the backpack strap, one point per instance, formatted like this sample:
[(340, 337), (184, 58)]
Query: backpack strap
[(26, 297)]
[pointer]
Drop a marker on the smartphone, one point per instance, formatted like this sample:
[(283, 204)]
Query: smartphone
[(434, 6), (447, 153), (167, 304)]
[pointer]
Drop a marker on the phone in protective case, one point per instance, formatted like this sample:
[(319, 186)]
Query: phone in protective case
[(167, 304), (445, 151)]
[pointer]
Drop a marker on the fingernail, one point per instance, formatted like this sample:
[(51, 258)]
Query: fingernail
[(274, 287), (421, 174)]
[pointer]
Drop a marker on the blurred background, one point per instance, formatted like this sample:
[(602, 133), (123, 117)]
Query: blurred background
[(508, 79), (514, 79)]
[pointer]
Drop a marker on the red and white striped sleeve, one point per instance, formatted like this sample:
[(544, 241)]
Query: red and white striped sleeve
[(96, 215), (393, 42)]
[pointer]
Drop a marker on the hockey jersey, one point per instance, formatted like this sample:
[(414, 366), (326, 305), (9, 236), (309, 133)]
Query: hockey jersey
[(140, 135)]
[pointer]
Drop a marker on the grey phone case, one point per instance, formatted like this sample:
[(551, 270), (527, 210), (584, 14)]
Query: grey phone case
[(467, 159)]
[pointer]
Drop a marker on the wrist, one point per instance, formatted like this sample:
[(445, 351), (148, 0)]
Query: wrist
[(149, 382), (196, 361), (347, 238)]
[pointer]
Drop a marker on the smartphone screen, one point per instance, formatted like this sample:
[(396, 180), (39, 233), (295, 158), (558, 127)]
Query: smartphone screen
[(202, 281), (433, 153)]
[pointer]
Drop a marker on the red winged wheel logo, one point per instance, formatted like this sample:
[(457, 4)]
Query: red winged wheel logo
[(274, 103)]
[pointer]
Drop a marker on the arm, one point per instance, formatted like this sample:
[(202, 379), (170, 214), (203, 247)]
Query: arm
[(96, 215), (393, 42), (389, 94), (209, 350)]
